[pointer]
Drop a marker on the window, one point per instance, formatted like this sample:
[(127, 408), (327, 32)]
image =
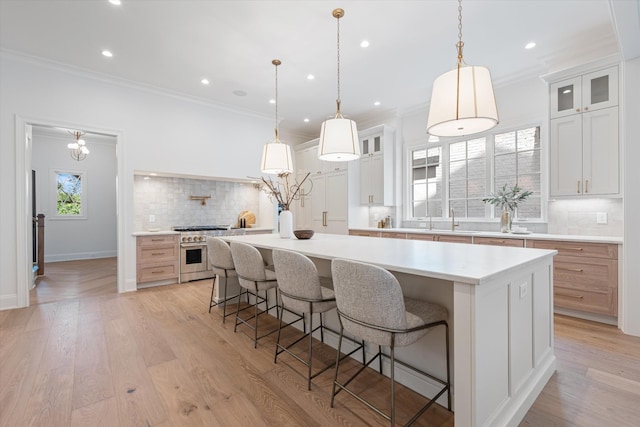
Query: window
[(70, 200), (474, 168), (517, 161), (426, 178), (467, 178)]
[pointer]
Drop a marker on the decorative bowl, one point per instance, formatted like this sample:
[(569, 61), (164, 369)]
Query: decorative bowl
[(303, 234)]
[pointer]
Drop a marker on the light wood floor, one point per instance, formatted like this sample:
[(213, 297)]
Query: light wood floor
[(156, 357)]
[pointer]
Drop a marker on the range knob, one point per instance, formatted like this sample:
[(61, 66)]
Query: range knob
[(184, 239), (189, 239)]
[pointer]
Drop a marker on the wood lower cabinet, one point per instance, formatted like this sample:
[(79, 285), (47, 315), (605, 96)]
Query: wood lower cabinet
[(516, 243), (157, 258), (393, 235), (364, 233), (585, 275)]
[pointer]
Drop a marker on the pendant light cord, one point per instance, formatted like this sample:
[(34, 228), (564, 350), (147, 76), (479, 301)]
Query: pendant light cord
[(276, 62), (460, 44), (338, 43)]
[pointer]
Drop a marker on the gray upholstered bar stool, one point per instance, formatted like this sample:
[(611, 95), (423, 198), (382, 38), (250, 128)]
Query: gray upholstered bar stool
[(221, 262), (302, 290), (371, 306), (254, 278)]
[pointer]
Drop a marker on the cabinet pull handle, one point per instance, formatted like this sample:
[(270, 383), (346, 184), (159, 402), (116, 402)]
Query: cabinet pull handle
[(157, 240), (324, 218), (573, 249), (336, 169), (570, 296), (586, 186), (586, 108), (157, 253), (502, 242), (157, 272), (577, 270), (578, 187)]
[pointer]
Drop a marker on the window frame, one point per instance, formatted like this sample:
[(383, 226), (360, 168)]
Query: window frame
[(54, 194), (489, 172)]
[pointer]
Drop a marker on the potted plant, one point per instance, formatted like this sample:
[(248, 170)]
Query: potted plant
[(508, 201)]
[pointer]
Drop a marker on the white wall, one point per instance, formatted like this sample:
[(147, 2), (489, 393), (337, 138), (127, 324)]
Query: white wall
[(630, 296), (95, 235), (157, 132)]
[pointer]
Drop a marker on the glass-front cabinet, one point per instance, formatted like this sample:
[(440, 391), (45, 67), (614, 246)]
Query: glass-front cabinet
[(581, 94)]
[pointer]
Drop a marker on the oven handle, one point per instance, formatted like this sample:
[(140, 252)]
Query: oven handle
[(192, 244)]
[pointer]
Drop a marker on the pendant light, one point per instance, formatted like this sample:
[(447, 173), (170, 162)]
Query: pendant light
[(462, 101), (78, 150), (338, 136), (276, 155)]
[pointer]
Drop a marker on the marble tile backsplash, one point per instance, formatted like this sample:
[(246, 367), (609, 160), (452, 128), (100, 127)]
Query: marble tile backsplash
[(168, 200), (376, 213), (578, 216)]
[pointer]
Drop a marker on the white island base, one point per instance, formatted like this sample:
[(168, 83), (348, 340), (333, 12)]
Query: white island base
[(500, 302)]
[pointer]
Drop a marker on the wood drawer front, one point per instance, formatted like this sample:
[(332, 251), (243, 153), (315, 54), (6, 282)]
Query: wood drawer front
[(159, 271), (364, 233), (157, 253), (394, 235), (595, 250), (516, 243), (454, 239), (598, 302), (160, 239), (430, 237), (585, 273)]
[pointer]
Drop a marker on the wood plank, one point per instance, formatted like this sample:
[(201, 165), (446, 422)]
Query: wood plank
[(99, 414), (138, 402), (50, 402)]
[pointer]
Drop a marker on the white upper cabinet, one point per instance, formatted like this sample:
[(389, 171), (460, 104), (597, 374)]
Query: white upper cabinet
[(581, 94), (376, 166), (584, 157)]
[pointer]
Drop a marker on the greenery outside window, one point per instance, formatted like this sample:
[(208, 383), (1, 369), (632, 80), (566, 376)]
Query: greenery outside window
[(70, 194)]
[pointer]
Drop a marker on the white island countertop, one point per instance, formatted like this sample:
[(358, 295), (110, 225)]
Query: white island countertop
[(471, 264)]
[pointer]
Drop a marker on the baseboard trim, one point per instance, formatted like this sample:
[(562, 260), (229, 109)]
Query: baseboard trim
[(8, 302), (80, 256)]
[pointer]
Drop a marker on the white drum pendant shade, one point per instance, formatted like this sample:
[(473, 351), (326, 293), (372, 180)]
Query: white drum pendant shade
[(339, 140), (462, 103), (276, 158)]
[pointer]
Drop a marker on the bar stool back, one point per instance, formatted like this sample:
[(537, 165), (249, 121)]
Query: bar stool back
[(371, 306), (221, 262)]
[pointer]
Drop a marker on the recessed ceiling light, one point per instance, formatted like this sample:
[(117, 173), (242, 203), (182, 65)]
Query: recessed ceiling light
[(530, 45), (306, 120), (107, 53), (153, 174), (364, 43), (310, 77), (204, 81), (566, 91), (272, 101), (376, 103), (115, 2), (239, 93), (146, 178)]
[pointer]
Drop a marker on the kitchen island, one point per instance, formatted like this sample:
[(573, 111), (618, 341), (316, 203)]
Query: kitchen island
[(500, 302)]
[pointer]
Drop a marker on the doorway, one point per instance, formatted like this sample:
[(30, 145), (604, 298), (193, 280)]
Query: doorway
[(26, 143)]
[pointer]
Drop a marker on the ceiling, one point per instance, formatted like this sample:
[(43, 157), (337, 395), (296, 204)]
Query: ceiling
[(172, 45)]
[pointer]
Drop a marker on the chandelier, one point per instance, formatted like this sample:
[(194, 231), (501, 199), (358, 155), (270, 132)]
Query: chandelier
[(462, 101), (338, 136), (276, 155), (78, 150)]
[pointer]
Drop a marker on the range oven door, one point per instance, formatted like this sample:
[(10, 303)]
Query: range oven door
[(193, 258)]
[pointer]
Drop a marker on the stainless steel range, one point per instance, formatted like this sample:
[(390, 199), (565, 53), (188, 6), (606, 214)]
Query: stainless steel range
[(194, 263)]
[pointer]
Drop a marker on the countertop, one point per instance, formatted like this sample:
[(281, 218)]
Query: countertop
[(154, 233), (471, 264), (530, 236)]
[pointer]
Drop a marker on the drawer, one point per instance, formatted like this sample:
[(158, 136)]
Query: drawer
[(416, 236), (453, 239), (585, 273), (495, 241), (160, 239), (159, 271), (364, 233), (394, 235), (598, 302), (595, 250), (157, 253)]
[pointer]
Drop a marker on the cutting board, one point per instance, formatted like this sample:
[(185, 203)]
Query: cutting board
[(249, 217)]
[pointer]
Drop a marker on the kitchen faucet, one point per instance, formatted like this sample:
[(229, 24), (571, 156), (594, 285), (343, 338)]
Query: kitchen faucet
[(453, 219), (430, 224)]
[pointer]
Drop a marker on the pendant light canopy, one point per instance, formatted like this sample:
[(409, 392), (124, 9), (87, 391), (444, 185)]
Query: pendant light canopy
[(276, 155), (338, 136), (462, 101)]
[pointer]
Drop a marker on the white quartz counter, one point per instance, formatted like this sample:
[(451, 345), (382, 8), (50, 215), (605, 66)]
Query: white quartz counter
[(471, 264), (154, 233), (496, 234)]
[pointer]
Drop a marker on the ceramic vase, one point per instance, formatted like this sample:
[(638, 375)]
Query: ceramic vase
[(286, 225)]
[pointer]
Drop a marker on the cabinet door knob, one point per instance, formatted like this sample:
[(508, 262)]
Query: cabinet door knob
[(586, 108), (577, 110)]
